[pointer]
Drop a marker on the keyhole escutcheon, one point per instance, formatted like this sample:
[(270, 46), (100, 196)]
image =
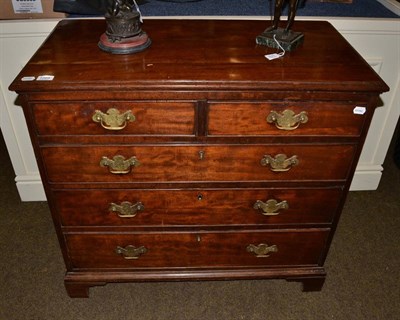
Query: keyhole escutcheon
[(202, 154)]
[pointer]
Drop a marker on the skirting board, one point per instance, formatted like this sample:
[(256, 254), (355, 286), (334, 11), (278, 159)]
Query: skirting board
[(30, 188), (366, 178)]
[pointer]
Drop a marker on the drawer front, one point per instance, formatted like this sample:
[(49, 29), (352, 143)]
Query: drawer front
[(257, 119), (196, 207), (203, 249), (94, 118), (170, 163)]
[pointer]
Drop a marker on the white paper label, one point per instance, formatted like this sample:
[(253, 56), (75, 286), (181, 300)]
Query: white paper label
[(27, 6), (45, 78), (273, 56), (28, 78), (359, 110)]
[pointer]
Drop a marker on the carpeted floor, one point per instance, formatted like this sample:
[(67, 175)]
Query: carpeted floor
[(363, 271)]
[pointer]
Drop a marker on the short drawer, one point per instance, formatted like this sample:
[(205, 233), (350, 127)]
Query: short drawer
[(197, 249), (303, 119), (115, 207), (99, 118), (176, 163)]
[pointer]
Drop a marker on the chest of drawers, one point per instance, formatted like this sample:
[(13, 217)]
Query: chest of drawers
[(197, 159)]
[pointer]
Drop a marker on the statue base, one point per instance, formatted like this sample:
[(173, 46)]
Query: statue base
[(289, 40), (129, 45)]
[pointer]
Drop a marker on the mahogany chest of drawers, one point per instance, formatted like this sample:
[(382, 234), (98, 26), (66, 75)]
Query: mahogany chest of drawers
[(197, 159)]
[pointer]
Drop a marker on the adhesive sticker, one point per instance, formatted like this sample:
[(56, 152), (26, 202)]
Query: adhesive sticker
[(45, 78), (28, 78), (359, 110)]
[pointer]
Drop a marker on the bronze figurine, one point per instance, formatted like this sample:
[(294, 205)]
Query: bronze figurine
[(278, 12), (283, 38), (123, 34)]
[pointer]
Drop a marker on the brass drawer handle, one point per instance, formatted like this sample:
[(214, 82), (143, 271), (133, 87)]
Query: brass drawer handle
[(113, 119), (262, 250), (271, 207), (119, 165), (126, 209), (287, 120), (280, 162), (130, 252)]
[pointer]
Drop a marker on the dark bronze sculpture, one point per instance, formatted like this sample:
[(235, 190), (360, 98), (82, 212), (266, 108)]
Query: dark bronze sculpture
[(123, 34), (276, 37), (278, 13)]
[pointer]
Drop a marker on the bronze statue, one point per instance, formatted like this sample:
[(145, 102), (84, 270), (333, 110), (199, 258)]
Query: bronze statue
[(120, 6), (282, 38), (124, 34), (278, 11)]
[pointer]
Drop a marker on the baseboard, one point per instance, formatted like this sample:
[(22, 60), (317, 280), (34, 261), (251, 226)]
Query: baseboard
[(366, 178), (30, 188)]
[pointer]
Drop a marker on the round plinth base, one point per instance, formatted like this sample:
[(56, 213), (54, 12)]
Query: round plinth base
[(125, 46)]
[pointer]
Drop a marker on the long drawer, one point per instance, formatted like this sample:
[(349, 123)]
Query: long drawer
[(196, 207), (290, 118), (174, 163), (196, 249), (109, 117)]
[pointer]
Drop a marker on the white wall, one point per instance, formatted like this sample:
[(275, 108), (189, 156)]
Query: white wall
[(18, 42)]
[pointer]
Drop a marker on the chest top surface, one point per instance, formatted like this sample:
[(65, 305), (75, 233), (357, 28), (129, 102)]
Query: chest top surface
[(197, 55)]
